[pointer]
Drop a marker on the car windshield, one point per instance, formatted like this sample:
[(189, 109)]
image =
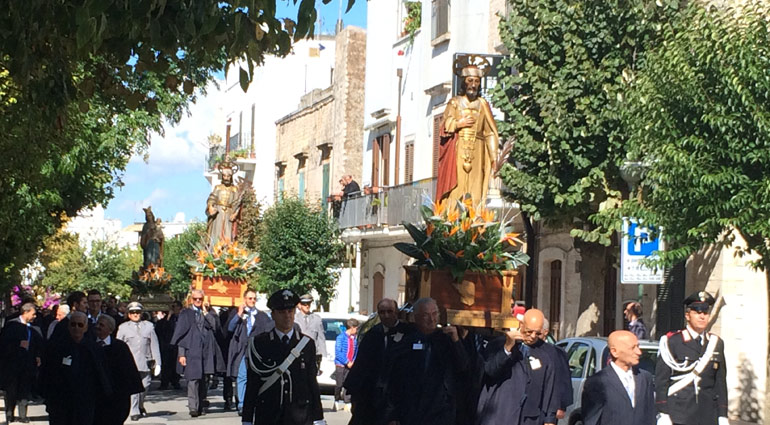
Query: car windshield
[(332, 328), (646, 361)]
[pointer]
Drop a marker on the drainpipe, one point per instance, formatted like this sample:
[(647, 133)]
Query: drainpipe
[(400, 74)]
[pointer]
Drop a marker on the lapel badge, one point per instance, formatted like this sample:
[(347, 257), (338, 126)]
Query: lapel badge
[(397, 336)]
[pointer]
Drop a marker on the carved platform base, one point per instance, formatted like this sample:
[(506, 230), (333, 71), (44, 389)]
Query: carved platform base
[(220, 291), (479, 300)]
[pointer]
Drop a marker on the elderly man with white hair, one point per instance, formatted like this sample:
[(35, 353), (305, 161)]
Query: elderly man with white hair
[(199, 355)]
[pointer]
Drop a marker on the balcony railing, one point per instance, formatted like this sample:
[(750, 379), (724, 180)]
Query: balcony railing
[(388, 206)]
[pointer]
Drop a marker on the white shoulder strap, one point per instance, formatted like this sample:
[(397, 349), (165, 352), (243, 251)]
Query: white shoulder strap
[(280, 370)]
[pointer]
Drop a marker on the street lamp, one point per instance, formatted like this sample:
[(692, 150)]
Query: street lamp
[(632, 172)]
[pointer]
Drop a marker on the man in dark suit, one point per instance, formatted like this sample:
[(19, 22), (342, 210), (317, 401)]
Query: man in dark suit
[(121, 369), (72, 375), (21, 347), (367, 378), (245, 323), (77, 302), (198, 352), (620, 393), (520, 372), (690, 376), (168, 353), (424, 384), (281, 387)]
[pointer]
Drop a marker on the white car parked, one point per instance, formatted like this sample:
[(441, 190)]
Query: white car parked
[(333, 325)]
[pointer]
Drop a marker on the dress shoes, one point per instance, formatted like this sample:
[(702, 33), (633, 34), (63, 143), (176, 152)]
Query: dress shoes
[(136, 417), (194, 413)]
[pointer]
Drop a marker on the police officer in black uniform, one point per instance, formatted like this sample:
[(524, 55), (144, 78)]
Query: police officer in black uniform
[(690, 376), (281, 387)]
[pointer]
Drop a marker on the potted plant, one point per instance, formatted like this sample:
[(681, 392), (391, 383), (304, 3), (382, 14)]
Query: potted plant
[(466, 260)]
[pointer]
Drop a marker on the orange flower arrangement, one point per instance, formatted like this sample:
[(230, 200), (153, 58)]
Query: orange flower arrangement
[(224, 259), (461, 239)]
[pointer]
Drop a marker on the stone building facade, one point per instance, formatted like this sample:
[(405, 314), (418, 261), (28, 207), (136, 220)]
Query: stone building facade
[(319, 142)]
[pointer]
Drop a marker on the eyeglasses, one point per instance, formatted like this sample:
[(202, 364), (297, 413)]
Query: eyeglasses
[(251, 298), (77, 325), (197, 299), (134, 312)]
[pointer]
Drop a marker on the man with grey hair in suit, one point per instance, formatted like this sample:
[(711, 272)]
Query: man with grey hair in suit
[(140, 337)]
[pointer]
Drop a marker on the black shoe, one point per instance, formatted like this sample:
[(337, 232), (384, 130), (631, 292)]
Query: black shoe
[(205, 404), (228, 406), (135, 417), (194, 413), (142, 411), (24, 420)]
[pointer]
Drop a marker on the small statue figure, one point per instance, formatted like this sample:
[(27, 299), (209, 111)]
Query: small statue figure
[(469, 139), (152, 240), (223, 207)]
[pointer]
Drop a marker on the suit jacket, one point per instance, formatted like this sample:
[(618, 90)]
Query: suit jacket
[(142, 341), (194, 336), (294, 399), (683, 406), (515, 387), (238, 328), (367, 379), (605, 401), (312, 326), (72, 375), (125, 380), (18, 365), (425, 380), (563, 379)]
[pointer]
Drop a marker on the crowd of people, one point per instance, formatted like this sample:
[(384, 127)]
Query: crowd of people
[(97, 361)]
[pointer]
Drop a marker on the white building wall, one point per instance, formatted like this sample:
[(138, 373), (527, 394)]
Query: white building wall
[(275, 91)]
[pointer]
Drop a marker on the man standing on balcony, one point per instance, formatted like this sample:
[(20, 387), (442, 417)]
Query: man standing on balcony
[(469, 139), (223, 207)]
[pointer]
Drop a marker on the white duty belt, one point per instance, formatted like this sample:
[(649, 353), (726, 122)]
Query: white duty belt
[(690, 373)]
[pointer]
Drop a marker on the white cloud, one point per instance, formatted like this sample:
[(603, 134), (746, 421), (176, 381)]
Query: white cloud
[(184, 145)]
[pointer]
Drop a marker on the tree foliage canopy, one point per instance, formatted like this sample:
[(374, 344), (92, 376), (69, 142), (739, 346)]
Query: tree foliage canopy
[(299, 249), (571, 58), (83, 85), (698, 116), (176, 252), (69, 267)]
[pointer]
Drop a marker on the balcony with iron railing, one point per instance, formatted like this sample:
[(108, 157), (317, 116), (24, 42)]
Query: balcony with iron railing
[(383, 206)]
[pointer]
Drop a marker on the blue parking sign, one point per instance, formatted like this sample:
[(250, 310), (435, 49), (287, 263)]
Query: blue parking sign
[(637, 245)]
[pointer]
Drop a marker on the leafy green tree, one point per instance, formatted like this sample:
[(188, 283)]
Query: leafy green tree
[(176, 252), (571, 58), (83, 86), (69, 267), (109, 267), (299, 249), (64, 261), (698, 116)]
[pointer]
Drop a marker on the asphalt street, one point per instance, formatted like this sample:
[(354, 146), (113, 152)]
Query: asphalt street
[(164, 407)]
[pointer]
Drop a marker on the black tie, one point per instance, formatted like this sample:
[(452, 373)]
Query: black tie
[(285, 339), (102, 343)]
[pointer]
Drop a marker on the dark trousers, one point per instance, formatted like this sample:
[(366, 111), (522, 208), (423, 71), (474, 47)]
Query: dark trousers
[(227, 389), (196, 394), (339, 378), (168, 375), (17, 394)]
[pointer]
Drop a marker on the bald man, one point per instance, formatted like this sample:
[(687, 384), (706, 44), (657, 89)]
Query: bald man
[(620, 392), (520, 377)]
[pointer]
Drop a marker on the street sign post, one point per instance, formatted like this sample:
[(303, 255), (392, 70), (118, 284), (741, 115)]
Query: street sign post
[(637, 245)]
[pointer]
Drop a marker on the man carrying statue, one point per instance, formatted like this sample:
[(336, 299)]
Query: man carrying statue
[(223, 207), (469, 140)]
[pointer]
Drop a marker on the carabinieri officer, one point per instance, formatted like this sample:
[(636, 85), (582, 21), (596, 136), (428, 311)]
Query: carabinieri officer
[(690, 384), (281, 388)]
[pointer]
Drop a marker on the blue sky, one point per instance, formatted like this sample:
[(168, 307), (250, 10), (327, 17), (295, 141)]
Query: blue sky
[(171, 180)]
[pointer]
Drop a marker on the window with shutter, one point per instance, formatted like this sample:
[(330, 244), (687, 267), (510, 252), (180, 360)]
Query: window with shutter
[(385, 159), (438, 120), (439, 18), (409, 158)]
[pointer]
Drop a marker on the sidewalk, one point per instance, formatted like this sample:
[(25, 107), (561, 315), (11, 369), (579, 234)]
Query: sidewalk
[(165, 407)]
